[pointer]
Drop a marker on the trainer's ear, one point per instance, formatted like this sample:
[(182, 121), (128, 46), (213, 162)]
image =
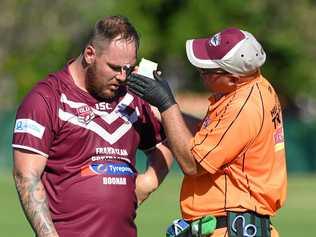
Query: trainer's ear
[(231, 84), (233, 80), (89, 54)]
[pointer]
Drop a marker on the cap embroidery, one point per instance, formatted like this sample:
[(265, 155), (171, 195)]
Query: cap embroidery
[(215, 40)]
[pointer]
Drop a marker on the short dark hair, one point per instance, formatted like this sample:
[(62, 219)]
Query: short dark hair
[(110, 27)]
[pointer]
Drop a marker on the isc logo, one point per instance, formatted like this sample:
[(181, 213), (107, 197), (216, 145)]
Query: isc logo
[(103, 106)]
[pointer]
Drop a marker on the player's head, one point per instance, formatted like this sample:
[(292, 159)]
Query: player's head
[(229, 54), (113, 45)]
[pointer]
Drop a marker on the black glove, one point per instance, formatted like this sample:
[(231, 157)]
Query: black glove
[(156, 92)]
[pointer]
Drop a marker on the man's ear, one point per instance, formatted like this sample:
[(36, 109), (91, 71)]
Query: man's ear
[(231, 83), (89, 54)]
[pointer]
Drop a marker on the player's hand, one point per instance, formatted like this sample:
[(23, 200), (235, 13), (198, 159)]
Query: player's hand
[(156, 92)]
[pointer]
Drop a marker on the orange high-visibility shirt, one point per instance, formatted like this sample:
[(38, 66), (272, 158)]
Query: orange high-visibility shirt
[(241, 146)]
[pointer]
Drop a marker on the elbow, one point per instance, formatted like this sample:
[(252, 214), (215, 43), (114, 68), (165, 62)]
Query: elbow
[(188, 164), (190, 170), (147, 182), (153, 183)]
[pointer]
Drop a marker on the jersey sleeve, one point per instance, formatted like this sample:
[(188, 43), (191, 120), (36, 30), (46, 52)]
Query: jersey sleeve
[(226, 136), (33, 124), (151, 131)]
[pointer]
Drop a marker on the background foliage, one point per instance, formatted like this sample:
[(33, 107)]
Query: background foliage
[(39, 36)]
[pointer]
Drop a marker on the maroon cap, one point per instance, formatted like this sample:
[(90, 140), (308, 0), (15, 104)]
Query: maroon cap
[(232, 49)]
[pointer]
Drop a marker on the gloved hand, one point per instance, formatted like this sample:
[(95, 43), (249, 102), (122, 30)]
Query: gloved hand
[(156, 92)]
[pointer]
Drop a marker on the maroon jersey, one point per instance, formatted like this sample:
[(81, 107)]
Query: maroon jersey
[(90, 147)]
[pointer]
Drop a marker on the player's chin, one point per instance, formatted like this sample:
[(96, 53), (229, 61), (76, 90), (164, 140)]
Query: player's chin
[(109, 93)]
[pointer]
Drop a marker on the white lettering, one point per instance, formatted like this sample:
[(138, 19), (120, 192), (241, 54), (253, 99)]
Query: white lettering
[(97, 158), (120, 169), (84, 109), (124, 152), (103, 106), (98, 150), (114, 180), (111, 151)]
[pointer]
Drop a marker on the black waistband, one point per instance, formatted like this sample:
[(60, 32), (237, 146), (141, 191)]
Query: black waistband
[(221, 222)]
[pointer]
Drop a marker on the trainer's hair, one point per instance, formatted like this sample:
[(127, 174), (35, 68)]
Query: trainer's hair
[(111, 27)]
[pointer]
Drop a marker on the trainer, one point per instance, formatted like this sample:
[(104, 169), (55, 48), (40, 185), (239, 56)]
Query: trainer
[(234, 165)]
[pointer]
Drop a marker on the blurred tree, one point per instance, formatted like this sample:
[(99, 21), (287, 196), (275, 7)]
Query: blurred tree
[(39, 36)]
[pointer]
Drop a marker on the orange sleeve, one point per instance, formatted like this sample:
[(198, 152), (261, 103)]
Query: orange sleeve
[(227, 135)]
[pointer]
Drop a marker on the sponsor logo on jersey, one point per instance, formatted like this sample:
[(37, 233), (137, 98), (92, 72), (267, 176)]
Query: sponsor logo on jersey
[(110, 151), (114, 181), (107, 169), (103, 106), (206, 122), (278, 139), (85, 114), (29, 126), (276, 115), (109, 157)]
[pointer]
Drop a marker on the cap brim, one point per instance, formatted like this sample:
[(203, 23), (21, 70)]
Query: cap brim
[(197, 53)]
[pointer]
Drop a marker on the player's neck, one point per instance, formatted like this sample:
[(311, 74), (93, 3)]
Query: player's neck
[(77, 73)]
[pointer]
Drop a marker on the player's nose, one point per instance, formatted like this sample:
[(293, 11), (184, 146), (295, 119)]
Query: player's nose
[(121, 76)]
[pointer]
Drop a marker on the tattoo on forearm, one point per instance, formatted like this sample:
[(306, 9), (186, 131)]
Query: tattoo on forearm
[(34, 202)]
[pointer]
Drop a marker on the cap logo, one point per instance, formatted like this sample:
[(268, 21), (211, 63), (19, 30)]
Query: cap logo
[(215, 40)]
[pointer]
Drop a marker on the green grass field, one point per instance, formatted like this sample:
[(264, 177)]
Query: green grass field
[(295, 219)]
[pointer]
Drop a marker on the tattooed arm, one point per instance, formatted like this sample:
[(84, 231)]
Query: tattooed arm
[(27, 171)]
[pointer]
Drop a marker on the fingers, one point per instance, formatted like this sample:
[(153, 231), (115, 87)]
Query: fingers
[(139, 77), (136, 92), (136, 79), (136, 84), (140, 85)]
